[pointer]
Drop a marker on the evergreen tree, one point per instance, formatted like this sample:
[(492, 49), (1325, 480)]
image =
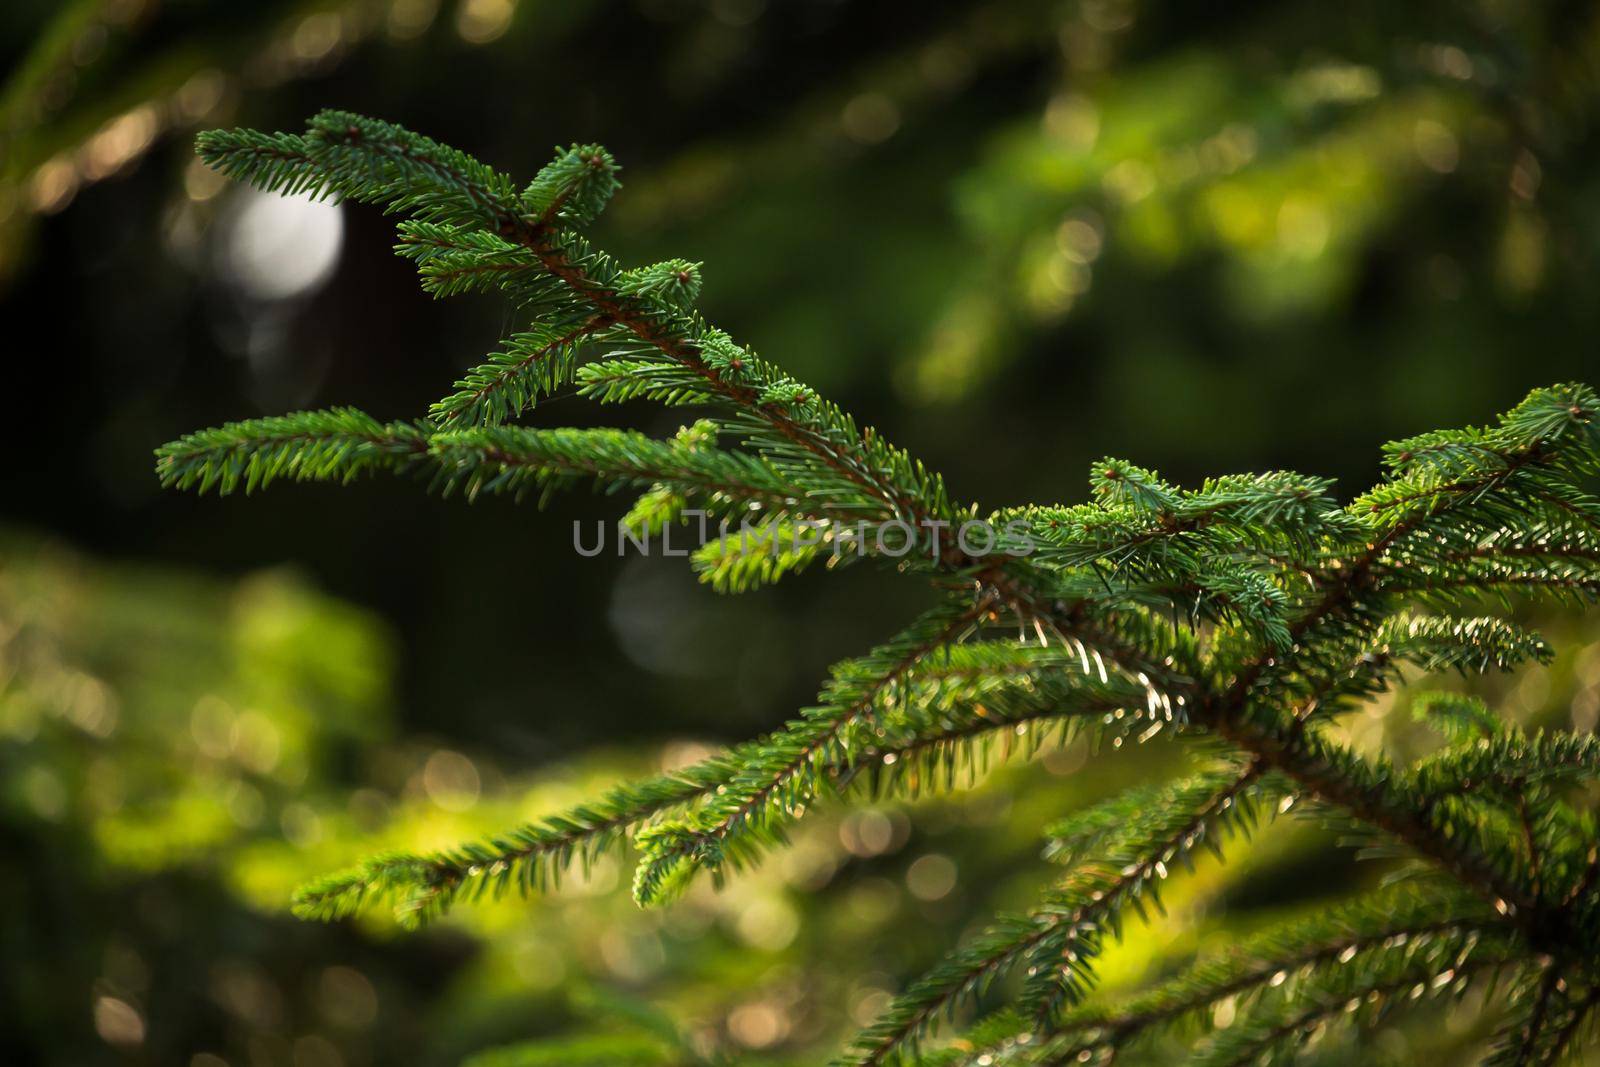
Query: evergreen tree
[(1247, 616)]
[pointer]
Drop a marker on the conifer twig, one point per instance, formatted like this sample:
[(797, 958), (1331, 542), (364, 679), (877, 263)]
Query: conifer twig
[(1245, 615)]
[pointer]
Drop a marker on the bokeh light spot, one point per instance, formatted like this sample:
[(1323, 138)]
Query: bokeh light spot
[(451, 780), (118, 1022), (278, 247), (931, 877)]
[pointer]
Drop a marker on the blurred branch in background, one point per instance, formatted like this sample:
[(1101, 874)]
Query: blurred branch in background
[(1293, 149), (1290, 155), (105, 79)]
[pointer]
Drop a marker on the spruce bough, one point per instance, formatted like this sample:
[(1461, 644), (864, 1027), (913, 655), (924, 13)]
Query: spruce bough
[(1246, 616)]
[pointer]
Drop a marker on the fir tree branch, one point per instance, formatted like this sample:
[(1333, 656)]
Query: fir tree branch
[(1282, 605), (1373, 795), (1394, 919), (785, 419), (1576, 1018), (1530, 1032), (368, 160), (341, 444), (533, 364), (1240, 1045), (1541, 758), (1585, 884), (338, 444), (532, 857), (783, 774), (1546, 431), (1064, 935), (1477, 644)]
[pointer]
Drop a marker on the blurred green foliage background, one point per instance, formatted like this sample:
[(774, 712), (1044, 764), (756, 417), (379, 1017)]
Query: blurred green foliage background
[(1014, 235)]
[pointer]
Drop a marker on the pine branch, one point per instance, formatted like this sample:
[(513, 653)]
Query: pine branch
[(1578, 1014), (1560, 759), (1016, 695), (534, 363), (765, 552), (1375, 794), (1248, 611), (1461, 719), (1478, 644), (1150, 526), (620, 378), (1362, 992), (532, 857), (340, 445), (916, 752), (785, 772), (1553, 430), (452, 260), (1062, 938), (1156, 834), (801, 435), (364, 159), (1523, 1047), (785, 420), (1395, 918)]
